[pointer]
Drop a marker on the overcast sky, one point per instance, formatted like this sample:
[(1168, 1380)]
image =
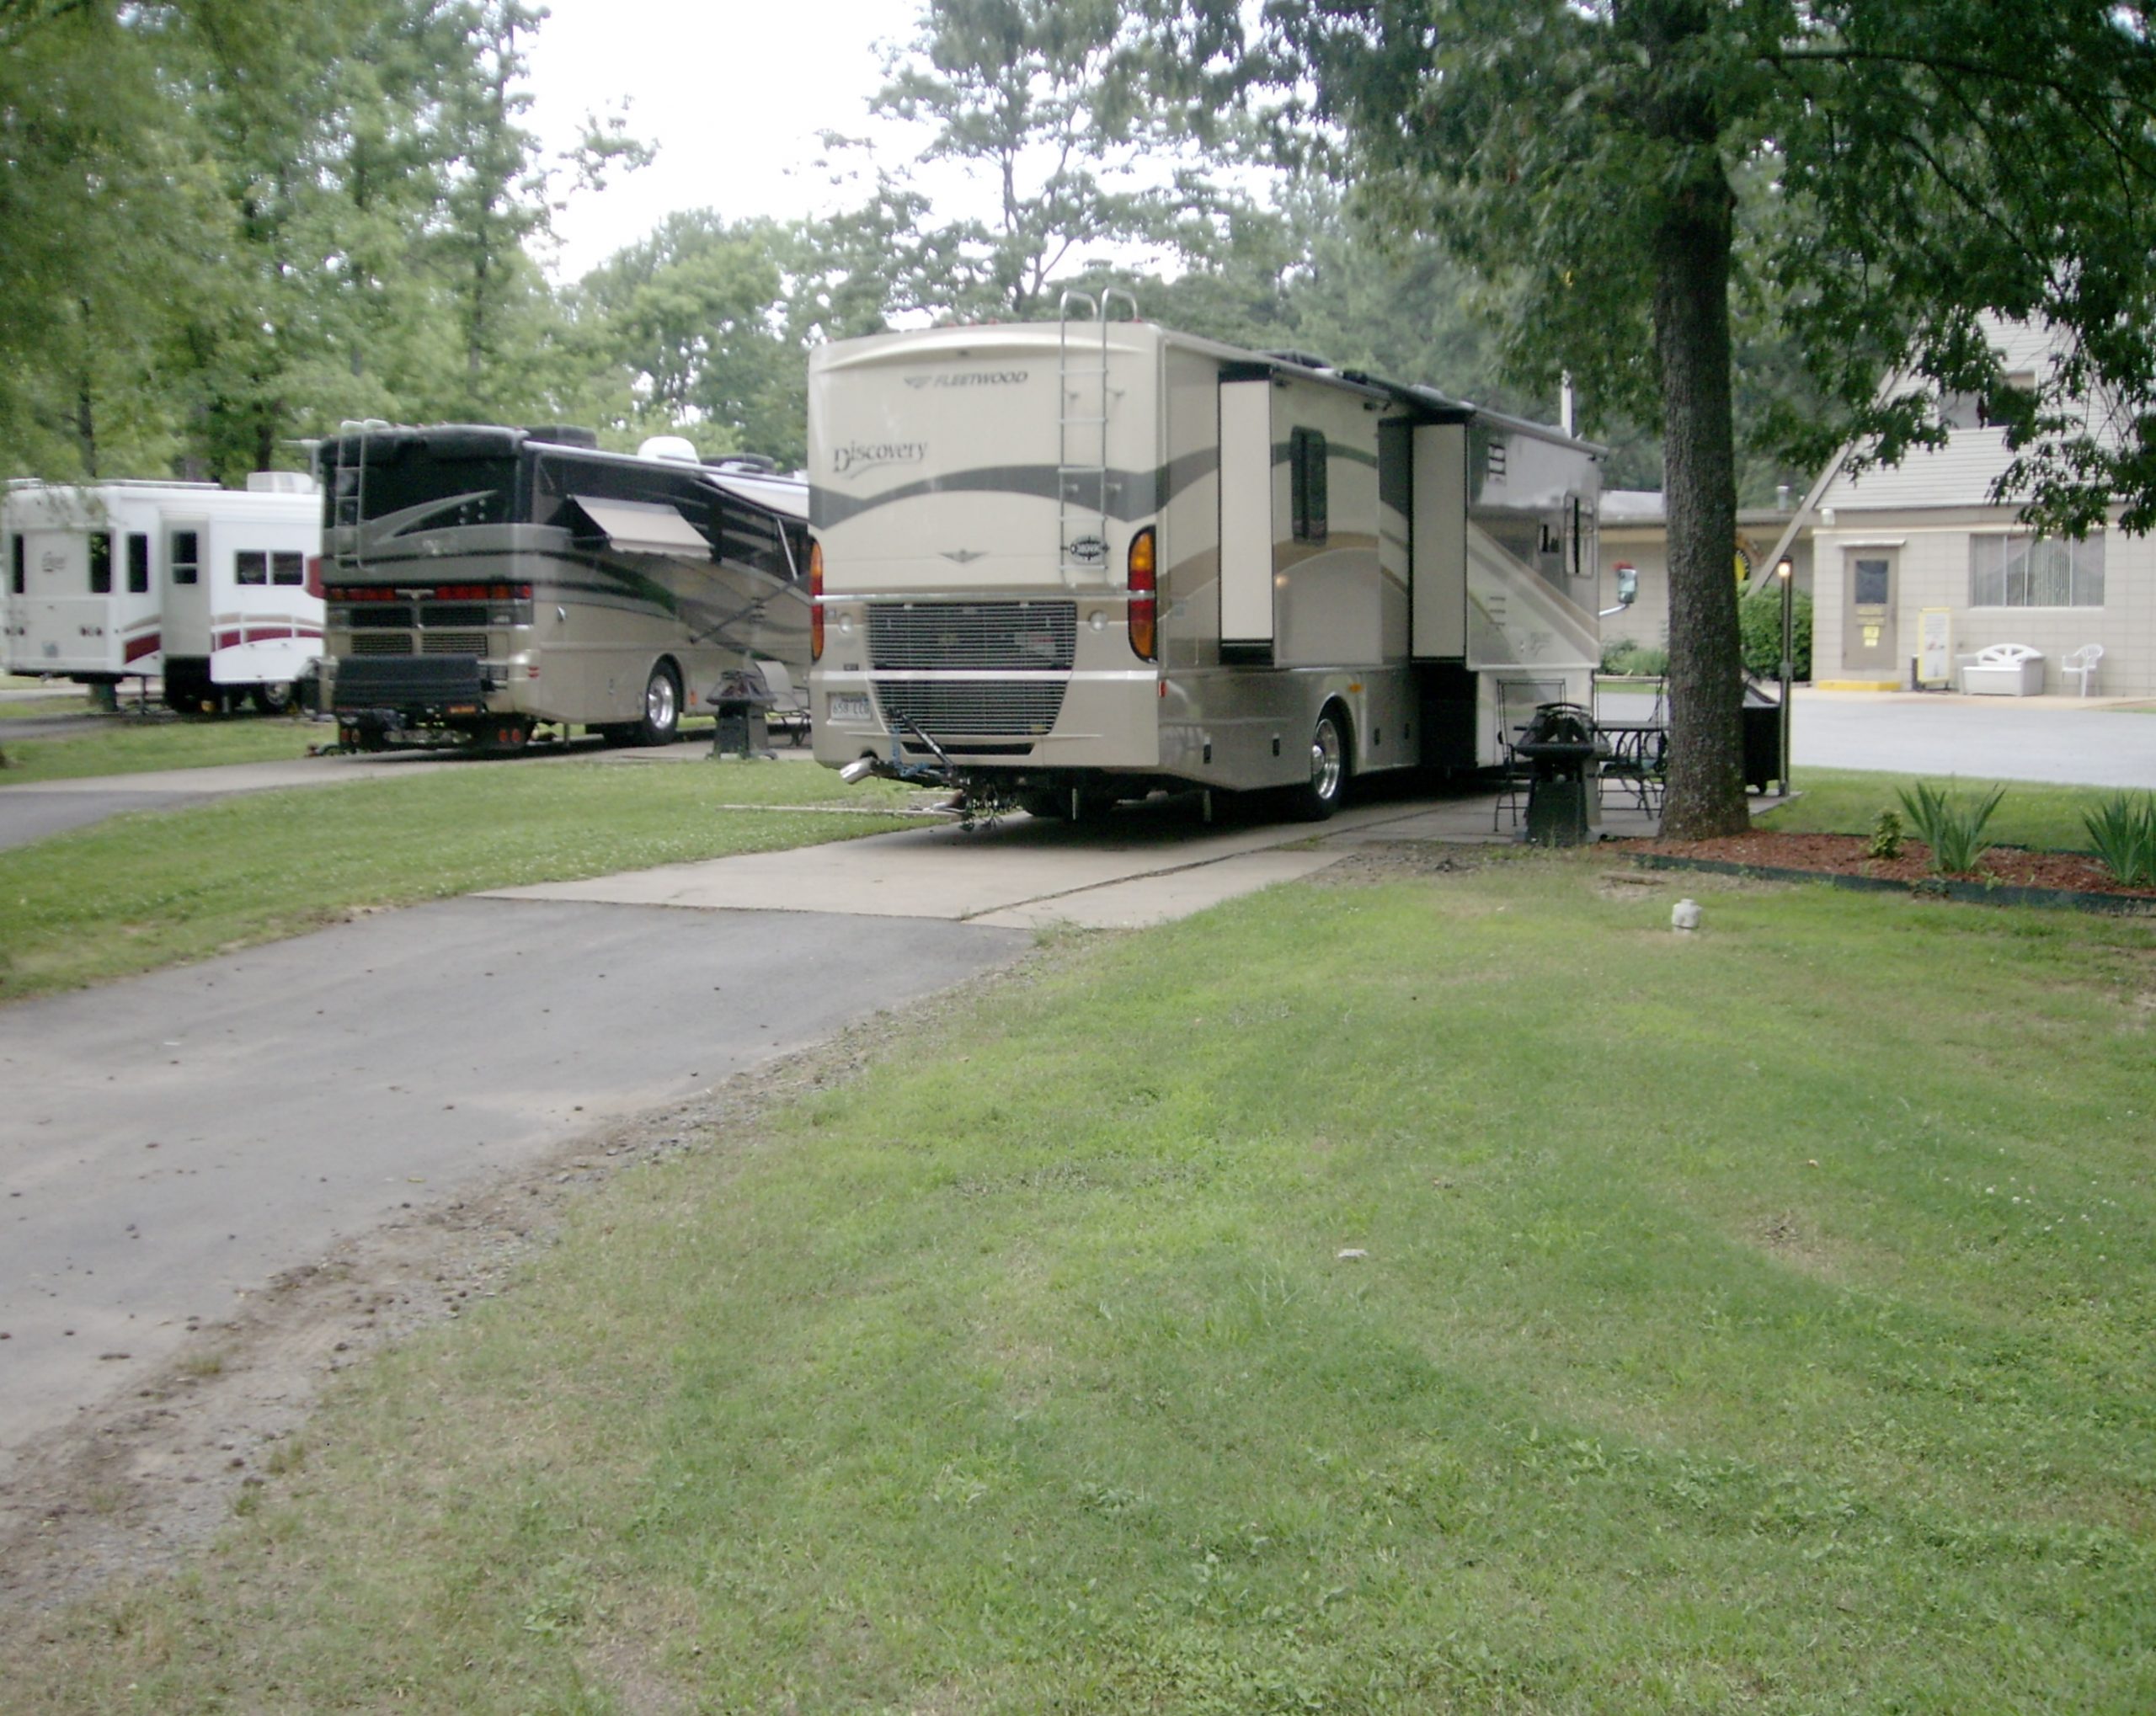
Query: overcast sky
[(733, 95)]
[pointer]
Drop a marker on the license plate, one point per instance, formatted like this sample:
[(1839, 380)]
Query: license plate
[(844, 707)]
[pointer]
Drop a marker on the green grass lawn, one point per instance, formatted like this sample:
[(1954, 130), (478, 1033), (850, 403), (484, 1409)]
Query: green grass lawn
[(68, 701), (1780, 1337), (1849, 800), (154, 888), (124, 744)]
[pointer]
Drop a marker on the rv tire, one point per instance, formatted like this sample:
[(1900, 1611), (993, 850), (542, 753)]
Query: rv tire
[(662, 707), (1323, 793), (274, 698)]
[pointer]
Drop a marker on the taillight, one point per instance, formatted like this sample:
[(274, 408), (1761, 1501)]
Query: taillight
[(815, 601), (1145, 601)]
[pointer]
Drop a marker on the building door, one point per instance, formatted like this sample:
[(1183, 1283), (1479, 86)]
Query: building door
[(1869, 643)]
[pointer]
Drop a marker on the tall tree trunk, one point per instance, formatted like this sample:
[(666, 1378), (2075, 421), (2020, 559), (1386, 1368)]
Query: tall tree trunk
[(1691, 328), (1692, 244)]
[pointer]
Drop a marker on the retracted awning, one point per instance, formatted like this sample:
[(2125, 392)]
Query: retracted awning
[(636, 527)]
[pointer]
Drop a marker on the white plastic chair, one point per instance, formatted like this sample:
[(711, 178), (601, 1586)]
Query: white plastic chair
[(2082, 664)]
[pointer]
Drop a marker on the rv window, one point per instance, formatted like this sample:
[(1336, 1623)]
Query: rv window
[(15, 555), (100, 562), (288, 567), (186, 556), (251, 566), (138, 563), (1306, 478)]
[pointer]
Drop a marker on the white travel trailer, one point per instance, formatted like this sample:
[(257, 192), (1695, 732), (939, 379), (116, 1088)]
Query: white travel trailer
[(207, 587), (1068, 562), (484, 580)]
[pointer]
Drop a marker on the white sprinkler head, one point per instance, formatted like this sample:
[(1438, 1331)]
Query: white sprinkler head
[(1684, 915)]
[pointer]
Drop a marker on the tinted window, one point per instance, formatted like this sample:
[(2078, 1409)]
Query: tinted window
[(138, 563), (399, 476), (100, 562), (251, 566), (15, 557), (1307, 483), (186, 556), (288, 567)]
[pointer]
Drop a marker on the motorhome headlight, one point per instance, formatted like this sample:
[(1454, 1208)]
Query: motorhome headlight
[(1144, 600)]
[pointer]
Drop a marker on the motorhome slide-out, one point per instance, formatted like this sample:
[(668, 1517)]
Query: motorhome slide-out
[(485, 581), (1068, 561), (209, 589)]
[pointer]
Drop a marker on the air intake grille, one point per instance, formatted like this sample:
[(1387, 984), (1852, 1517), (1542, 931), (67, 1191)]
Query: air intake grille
[(1005, 635), (942, 707), (452, 644), (381, 644)]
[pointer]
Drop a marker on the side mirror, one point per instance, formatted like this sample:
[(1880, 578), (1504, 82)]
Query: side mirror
[(1628, 584)]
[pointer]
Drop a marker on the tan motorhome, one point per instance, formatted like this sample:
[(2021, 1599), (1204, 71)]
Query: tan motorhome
[(485, 581), (1066, 563)]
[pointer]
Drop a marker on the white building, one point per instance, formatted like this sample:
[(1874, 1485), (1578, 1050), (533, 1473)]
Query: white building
[(1918, 560)]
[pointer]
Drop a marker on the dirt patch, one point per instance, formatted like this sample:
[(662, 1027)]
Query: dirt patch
[(136, 1486), (1845, 855)]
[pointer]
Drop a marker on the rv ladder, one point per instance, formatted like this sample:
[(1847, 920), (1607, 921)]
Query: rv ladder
[(1081, 464)]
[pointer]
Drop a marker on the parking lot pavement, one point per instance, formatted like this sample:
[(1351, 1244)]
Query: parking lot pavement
[(173, 1140), (2057, 740)]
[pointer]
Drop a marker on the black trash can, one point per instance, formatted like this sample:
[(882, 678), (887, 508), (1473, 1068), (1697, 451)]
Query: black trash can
[(739, 702), (1762, 739), (1559, 748)]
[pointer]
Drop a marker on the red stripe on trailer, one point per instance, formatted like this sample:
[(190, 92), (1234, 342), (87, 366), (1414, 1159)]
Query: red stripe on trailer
[(138, 647)]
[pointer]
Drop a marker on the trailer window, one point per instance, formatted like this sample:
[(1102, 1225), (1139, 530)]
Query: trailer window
[(1306, 483), (186, 556), (287, 567), (138, 563), (100, 562), (17, 575), (251, 566)]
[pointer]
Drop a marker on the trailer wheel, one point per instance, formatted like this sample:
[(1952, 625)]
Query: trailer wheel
[(1321, 795), (275, 698), (662, 707)]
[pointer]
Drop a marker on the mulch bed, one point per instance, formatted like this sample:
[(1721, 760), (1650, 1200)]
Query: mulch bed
[(1842, 858)]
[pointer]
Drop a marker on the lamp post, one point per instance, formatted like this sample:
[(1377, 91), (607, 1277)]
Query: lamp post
[(1786, 572)]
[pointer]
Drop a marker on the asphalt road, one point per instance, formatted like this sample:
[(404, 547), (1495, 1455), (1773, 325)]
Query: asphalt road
[(170, 1141), (2059, 741)]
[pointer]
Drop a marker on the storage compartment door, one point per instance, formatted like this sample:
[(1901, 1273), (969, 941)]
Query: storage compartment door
[(1437, 575), (1246, 622)]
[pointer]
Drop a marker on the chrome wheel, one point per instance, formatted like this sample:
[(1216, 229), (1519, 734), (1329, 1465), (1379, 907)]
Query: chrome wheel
[(1328, 782), (662, 707)]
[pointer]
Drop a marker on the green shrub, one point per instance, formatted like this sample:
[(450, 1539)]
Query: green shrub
[(1885, 837), (2122, 831), (1627, 655), (1954, 831), (1760, 625)]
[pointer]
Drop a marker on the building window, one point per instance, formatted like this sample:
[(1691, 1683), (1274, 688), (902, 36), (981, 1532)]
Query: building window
[(100, 562), (138, 563), (1306, 469), (1870, 583), (2036, 572), (251, 566), (186, 556)]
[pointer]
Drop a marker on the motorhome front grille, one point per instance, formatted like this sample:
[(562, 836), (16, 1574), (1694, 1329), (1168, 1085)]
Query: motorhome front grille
[(452, 644), (384, 617), (381, 644), (939, 707), (1008, 635)]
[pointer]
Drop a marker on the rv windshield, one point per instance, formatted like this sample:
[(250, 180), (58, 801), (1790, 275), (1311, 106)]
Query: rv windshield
[(398, 476)]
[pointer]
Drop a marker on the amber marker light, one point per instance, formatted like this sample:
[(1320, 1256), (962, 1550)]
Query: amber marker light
[(815, 601)]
